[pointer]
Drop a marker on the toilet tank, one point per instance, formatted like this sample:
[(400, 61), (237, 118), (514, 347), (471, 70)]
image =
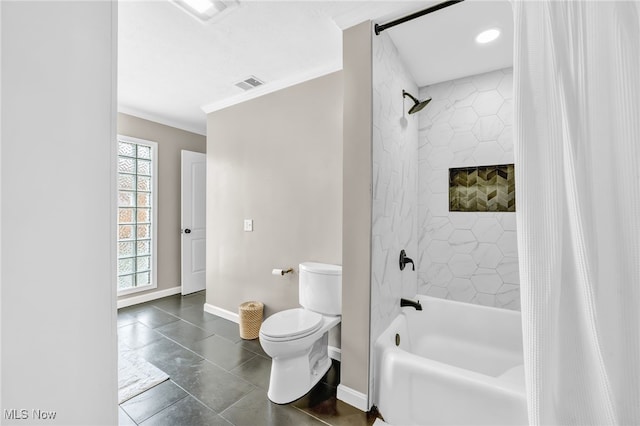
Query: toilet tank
[(320, 288)]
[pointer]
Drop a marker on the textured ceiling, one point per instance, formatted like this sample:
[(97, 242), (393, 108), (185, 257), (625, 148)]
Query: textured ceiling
[(171, 65)]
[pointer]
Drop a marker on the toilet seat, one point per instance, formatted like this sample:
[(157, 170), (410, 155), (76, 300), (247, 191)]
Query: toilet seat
[(291, 324)]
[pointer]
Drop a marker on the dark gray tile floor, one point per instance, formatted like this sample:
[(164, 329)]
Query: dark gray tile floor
[(216, 378)]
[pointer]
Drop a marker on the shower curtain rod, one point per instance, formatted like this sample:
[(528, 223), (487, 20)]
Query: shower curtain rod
[(380, 28)]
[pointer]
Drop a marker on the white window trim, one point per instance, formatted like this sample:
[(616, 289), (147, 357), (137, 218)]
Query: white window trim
[(154, 215)]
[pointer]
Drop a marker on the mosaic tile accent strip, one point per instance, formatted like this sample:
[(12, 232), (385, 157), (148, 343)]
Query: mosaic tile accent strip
[(482, 189)]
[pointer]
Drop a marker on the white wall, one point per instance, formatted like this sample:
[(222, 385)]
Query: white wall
[(395, 188), (470, 257), (58, 211)]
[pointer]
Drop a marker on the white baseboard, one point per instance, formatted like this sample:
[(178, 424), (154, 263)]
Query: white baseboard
[(130, 301), (335, 353), (353, 398), (223, 313)]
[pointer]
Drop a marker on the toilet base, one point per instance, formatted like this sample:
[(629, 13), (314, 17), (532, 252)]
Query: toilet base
[(292, 377)]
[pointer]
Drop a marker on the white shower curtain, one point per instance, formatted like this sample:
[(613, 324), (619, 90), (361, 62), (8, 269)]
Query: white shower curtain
[(577, 127)]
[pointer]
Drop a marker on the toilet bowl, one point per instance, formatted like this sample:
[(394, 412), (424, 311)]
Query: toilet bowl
[(297, 339)]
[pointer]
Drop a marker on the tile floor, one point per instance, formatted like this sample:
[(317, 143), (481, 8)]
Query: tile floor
[(216, 378)]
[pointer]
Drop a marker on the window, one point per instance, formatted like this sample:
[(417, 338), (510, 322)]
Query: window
[(137, 212)]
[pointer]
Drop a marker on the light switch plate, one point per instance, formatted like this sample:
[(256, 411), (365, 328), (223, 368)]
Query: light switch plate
[(248, 225)]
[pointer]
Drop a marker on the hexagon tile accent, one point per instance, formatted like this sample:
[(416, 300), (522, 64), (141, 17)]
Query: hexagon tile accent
[(468, 256)]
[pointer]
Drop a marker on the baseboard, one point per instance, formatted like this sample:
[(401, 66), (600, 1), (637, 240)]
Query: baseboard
[(223, 313), (335, 353), (130, 301), (353, 398)]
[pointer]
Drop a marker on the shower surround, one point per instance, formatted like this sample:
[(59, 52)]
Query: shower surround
[(468, 257), (465, 256), (395, 187)]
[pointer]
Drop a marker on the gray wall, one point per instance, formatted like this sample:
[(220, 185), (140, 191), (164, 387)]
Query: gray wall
[(58, 316), (276, 159), (356, 219), (170, 142)]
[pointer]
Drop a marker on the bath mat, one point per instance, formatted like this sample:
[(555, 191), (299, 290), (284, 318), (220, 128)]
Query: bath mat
[(136, 375)]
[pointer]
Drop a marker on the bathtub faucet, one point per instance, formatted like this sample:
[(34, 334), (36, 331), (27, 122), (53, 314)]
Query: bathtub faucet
[(407, 302)]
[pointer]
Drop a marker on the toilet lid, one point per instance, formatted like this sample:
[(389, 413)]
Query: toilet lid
[(291, 323)]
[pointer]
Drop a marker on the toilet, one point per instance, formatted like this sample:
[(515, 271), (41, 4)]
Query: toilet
[(297, 339)]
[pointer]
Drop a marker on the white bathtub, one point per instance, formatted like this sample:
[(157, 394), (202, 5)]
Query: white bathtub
[(456, 364)]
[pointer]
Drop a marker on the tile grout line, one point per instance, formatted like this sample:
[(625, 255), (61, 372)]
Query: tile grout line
[(253, 386), (192, 396), (126, 414), (182, 319), (199, 340), (311, 415), (219, 413), (217, 318), (230, 406), (203, 358), (170, 405), (212, 363)]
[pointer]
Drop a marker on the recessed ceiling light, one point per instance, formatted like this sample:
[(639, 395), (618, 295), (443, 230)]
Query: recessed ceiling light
[(204, 10), (488, 36)]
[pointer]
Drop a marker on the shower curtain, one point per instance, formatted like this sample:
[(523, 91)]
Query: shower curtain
[(577, 136)]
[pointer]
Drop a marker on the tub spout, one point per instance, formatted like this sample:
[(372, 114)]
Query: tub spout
[(407, 302)]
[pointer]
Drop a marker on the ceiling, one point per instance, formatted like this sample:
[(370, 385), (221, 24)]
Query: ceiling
[(170, 65), (441, 46)]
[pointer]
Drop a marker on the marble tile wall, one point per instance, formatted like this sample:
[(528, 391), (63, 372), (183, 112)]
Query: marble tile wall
[(470, 257), (395, 187)]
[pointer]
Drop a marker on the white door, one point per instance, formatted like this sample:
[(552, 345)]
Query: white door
[(194, 175)]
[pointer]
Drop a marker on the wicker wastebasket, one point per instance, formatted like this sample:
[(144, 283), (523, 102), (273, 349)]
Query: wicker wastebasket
[(250, 319)]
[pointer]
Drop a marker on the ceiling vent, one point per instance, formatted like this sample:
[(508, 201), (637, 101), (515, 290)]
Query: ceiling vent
[(249, 83)]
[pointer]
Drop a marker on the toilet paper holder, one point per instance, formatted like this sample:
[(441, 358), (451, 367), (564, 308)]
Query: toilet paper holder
[(281, 271)]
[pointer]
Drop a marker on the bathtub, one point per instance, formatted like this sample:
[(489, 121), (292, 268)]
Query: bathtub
[(455, 364)]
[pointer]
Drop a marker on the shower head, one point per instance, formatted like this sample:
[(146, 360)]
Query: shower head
[(417, 105)]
